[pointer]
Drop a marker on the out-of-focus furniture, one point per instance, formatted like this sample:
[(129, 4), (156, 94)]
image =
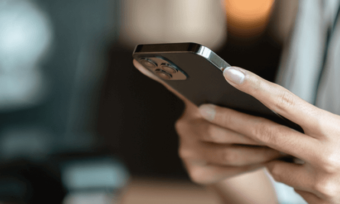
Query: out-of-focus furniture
[(145, 191)]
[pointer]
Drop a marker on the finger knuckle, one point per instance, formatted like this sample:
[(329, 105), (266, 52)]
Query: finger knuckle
[(199, 175), (255, 85), (210, 134), (264, 132), (224, 118), (322, 123), (329, 161), (229, 157), (326, 187), (182, 126), (185, 153), (275, 172), (179, 125), (285, 100)]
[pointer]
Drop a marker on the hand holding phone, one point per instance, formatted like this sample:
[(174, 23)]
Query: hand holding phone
[(316, 178), (211, 152)]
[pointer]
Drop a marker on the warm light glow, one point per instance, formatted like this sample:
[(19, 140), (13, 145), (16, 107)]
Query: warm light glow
[(248, 17)]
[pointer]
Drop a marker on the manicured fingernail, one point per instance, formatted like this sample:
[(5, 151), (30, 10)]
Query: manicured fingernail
[(233, 75), (207, 111)]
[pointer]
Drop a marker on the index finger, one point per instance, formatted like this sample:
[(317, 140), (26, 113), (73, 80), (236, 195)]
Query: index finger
[(262, 130), (275, 97)]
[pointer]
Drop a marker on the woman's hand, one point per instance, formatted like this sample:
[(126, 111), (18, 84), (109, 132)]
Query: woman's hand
[(211, 152), (317, 180)]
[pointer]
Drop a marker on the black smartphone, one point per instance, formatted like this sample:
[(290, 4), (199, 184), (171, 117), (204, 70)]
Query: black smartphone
[(196, 72)]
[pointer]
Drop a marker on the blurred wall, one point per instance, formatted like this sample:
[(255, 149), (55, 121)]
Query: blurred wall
[(164, 21), (53, 60)]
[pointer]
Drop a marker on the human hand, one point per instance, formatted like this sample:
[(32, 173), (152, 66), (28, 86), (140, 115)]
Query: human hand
[(317, 180), (212, 153)]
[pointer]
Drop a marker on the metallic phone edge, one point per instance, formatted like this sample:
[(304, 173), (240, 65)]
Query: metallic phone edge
[(202, 51), (212, 57)]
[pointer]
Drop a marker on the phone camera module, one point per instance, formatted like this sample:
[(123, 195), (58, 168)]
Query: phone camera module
[(163, 74), (169, 68), (162, 67), (148, 63)]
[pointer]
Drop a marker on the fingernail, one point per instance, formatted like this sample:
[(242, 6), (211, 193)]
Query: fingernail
[(234, 75), (207, 111)]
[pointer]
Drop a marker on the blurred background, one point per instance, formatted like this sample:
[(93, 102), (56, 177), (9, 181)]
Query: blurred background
[(79, 124)]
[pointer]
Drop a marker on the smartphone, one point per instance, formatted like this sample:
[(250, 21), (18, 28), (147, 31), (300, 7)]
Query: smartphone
[(196, 72)]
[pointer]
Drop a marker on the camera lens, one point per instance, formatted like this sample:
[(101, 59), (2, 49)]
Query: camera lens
[(163, 74), (148, 63), (169, 68)]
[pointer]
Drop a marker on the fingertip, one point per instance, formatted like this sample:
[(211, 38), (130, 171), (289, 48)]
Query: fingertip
[(234, 75)]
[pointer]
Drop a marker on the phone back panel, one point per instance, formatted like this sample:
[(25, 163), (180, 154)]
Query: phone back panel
[(205, 82)]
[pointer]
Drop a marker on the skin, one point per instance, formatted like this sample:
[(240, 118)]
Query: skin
[(316, 179), (220, 158)]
